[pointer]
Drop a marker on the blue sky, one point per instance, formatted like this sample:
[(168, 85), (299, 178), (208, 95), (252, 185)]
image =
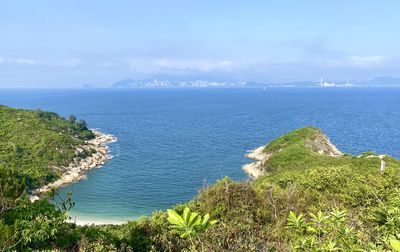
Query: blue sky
[(75, 43)]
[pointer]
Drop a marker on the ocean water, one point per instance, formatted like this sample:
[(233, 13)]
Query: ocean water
[(172, 142)]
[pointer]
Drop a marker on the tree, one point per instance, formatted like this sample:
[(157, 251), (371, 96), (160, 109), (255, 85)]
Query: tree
[(12, 192), (12, 188), (81, 125), (72, 119)]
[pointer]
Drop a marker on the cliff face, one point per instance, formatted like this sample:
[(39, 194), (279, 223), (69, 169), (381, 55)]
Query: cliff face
[(323, 146), (308, 141)]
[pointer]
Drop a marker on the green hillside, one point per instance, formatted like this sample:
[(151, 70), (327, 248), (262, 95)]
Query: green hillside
[(297, 152), (33, 143), (311, 198), (304, 179)]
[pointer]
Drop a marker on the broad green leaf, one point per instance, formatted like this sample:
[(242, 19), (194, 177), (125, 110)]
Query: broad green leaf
[(293, 215), (206, 220), (311, 230), (186, 214), (313, 216), (198, 221), (174, 217), (189, 224), (193, 219), (395, 244)]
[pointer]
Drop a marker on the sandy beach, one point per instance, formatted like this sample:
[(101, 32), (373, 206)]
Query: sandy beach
[(90, 220), (78, 168)]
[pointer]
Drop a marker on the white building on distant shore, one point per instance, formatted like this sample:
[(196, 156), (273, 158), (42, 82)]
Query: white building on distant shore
[(326, 84), (332, 84)]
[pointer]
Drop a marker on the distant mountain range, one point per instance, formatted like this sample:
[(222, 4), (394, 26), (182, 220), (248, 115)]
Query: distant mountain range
[(162, 83), (381, 81)]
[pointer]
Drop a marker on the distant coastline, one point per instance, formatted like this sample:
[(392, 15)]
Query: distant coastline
[(383, 81), (77, 169)]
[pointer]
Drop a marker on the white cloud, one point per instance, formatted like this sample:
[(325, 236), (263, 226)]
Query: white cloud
[(178, 65), (105, 64), (24, 61), (347, 62), (367, 61), (71, 62)]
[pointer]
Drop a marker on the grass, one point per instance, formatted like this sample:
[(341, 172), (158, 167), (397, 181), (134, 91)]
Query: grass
[(296, 137)]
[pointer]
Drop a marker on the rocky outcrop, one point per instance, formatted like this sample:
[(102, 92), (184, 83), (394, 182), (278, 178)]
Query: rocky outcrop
[(323, 146), (318, 143), (256, 169), (95, 154)]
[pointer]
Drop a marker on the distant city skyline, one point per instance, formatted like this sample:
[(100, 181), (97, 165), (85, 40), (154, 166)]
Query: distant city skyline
[(96, 43)]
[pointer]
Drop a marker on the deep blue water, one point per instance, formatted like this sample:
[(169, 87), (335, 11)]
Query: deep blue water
[(173, 141)]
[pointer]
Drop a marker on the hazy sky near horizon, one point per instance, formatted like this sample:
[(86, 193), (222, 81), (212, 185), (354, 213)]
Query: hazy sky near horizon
[(74, 43)]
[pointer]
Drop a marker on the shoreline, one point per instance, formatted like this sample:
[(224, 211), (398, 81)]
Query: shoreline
[(256, 169), (78, 167), (80, 220)]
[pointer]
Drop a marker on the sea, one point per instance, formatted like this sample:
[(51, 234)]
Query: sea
[(174, 142)]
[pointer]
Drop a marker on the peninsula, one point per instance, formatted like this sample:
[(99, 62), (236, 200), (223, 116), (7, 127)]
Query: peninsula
[(306, 147), (49, 151)]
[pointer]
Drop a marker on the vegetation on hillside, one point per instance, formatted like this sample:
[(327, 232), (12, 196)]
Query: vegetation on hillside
[(34, 143), (307, 202)]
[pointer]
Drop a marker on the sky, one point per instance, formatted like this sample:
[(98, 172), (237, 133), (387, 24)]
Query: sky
[(79, 43)]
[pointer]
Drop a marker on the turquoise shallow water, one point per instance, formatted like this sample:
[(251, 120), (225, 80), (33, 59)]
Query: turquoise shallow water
[(173, 141)]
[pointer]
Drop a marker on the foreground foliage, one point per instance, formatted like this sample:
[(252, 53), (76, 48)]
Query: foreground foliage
[(307, 202), (190, 224)]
